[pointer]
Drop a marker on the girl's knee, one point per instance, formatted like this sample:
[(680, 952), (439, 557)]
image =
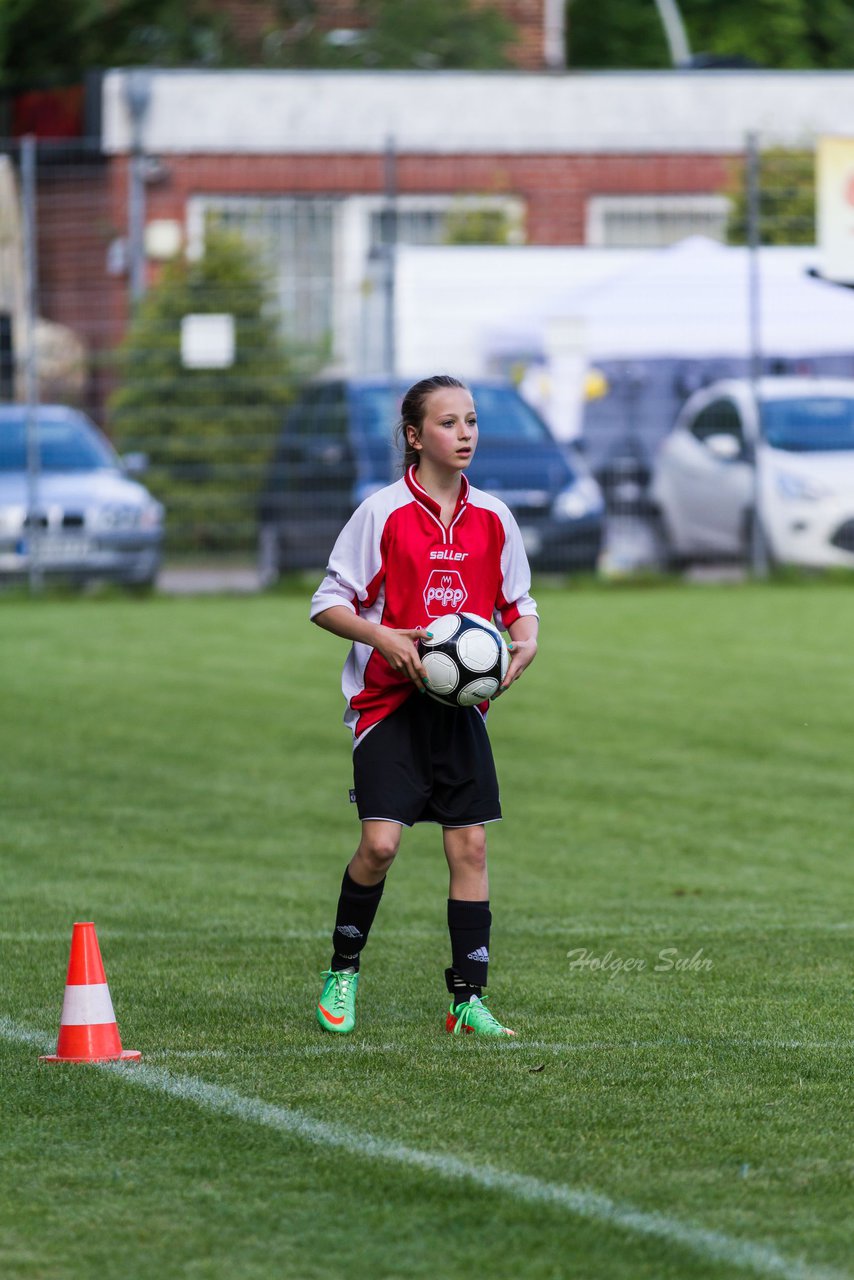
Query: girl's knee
[(379, 846), (467, 846)]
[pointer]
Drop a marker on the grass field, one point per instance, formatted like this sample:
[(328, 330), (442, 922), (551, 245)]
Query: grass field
[(676, 776)]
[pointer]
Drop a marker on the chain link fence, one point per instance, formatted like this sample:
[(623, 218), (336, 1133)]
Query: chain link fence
[(248, 324)]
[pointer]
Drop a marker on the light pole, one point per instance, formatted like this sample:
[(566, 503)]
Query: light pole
[(137, 89), (674, 30)]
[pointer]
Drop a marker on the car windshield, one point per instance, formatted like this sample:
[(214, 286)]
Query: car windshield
[(809, 424), (64, 445), (501, 414)]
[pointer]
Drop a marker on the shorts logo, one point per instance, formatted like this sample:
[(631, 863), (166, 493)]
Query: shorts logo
[(445, 593)]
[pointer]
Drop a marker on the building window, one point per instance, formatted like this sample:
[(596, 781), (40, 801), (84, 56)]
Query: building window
[(323, 255), (295, 240), (447, 220), (641, 222)]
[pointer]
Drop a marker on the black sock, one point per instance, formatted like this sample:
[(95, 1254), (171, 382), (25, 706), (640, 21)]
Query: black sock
[(357, 906), (468, 925)]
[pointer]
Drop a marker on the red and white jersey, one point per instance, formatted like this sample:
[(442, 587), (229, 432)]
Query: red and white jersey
[(396, 563)]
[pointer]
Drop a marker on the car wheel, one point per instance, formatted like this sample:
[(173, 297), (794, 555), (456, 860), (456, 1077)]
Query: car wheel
[(668, 557), (144, 587), (269, 562)]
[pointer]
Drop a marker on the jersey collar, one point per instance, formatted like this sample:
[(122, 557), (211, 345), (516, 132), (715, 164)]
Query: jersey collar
[(421, 495)]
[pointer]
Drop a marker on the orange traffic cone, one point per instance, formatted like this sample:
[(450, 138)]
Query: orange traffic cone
[(87, 1028)]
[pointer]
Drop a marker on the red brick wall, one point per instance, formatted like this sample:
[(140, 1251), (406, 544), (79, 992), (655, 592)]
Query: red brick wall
[(76, 223), (528, 18), (555, 188)]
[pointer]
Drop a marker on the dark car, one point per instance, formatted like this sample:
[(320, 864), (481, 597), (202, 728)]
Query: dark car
[(336, 447)]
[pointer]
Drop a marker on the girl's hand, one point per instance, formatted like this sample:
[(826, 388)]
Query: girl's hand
[(522, 654), (401, 653)]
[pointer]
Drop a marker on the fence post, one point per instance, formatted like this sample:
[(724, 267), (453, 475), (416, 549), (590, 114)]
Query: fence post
[(389, 255), (32, 528), (138, 99), (758, 547)]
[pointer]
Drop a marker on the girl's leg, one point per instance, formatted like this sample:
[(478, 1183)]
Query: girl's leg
[(361, 891), (465, 850), (376, 852), (469, 917)]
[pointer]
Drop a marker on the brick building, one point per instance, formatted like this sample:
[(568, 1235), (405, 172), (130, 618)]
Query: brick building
[(302, 164)]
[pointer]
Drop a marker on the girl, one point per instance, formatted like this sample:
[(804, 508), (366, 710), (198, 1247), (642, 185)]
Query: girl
[(427, 545)]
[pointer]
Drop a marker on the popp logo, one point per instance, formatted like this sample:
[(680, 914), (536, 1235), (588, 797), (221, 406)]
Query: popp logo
[(444, 593)]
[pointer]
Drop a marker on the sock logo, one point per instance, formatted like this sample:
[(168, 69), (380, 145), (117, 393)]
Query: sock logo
[(481, 954), (349, 930)]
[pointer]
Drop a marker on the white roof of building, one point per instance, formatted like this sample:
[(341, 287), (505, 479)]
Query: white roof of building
[(462, 112)]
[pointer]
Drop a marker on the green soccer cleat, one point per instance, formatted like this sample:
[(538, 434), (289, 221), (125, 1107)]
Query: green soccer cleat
[(473, 1015), (336, 1008)]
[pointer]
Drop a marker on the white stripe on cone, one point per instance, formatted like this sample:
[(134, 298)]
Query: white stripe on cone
[(87, 1005)]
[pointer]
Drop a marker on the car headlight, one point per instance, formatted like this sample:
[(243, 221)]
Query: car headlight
[(151, 516), (801, 488), (118, 515), (122, 516), (582, 498), (12, 519)]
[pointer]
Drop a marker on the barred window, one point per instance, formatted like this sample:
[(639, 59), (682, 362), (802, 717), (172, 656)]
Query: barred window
[(640, 222), (295, 238)]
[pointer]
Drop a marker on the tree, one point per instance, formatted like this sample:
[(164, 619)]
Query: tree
[(444, 33), (208, 432), (776, 33), (786, 199), (396, 34), (58, 43), (464, 225)]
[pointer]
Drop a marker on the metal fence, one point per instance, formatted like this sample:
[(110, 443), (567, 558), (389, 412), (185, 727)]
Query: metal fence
[(248, 324)]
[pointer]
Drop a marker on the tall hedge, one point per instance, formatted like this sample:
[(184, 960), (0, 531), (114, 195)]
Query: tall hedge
[(208, 433)]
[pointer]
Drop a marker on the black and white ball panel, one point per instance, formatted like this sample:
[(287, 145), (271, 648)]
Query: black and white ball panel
[(466, 659), (443, 629), (443, 673)]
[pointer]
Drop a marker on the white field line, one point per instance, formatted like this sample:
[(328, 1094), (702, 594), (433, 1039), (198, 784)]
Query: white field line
[(575, 932), (714, 1246), (337, 1047)]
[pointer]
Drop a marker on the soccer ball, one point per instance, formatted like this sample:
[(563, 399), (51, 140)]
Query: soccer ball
[(465, 661)]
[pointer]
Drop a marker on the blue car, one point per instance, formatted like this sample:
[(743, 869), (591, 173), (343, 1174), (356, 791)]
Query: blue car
[(336, 447), (88, 519)]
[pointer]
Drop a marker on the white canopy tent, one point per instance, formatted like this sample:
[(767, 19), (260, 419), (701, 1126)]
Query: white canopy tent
[(689, 301), (692, 300)]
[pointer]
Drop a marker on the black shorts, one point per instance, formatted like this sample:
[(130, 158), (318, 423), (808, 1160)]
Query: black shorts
[(427, 763)]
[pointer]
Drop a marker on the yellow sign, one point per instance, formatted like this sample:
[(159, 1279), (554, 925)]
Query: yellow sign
[(835, 207)]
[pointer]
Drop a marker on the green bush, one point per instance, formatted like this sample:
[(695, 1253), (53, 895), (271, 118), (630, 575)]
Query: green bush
[(208, 433)]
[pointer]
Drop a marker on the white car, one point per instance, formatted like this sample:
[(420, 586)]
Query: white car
[(772, 470)]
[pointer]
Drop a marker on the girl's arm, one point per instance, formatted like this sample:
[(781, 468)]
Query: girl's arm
[(523, 648), (397, 647)]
